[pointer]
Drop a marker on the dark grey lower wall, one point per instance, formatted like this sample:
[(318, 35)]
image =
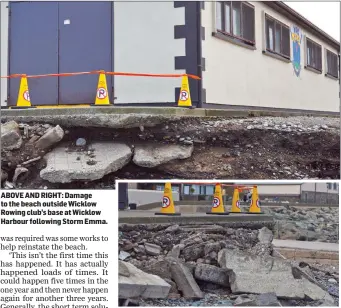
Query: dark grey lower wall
[(189, 61)]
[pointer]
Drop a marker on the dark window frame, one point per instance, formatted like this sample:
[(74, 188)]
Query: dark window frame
[(337, 64), (306, 54), (223, 22), (283, 25)]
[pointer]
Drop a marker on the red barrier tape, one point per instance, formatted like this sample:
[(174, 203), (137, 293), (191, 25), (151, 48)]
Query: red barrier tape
[(107, 73)]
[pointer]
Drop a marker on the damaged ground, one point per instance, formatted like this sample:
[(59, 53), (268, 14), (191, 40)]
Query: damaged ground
[(46, 155), (214, 265)]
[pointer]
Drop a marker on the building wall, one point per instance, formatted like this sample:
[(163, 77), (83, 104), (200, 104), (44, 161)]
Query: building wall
[(236, 75), (144, 43), (279, 190), (319, 197), (3, 51), (141, 197), (321, 187)]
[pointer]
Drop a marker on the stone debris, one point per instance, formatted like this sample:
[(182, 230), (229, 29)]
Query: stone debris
[(224, 263), (154, 155), (50, 138), (214, 274), (10, 136), (152, 249)]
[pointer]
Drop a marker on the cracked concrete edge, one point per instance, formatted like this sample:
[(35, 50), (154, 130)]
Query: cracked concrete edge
[(156, 111), (188, 220)]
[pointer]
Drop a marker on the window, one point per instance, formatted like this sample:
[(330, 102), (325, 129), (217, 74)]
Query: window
[(277, 37), (332, 64), (335, 186), (237, 20), (329, 186), (314, 55)]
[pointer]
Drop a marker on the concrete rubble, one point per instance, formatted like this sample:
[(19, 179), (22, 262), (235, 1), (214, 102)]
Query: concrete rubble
[(140, 284), (225, 267), (169, 146), (101, 158), (10, 136), (154, 155)]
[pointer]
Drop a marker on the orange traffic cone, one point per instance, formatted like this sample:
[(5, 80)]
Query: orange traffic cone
[(24, 94), (218, 205), (185, 95), (235, 202), (102, 97), (167, 207), (255, 205)]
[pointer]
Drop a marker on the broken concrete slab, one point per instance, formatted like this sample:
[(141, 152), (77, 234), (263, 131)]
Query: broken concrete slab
[(51, 137), (213, 274), (10, 136), (152, 249), (123, 269), (254, 274), (314, 292), (66, 167), (265, 274), (153, 155), (265, 235), (185, 281), (141, 284)]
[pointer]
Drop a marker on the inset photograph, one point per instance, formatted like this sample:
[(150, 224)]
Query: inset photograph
[(192, 243)]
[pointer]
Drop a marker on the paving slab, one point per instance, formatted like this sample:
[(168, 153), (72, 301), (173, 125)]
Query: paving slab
[(305, 245), (65, 166)]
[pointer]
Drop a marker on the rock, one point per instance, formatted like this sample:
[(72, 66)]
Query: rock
[(123, 255), (244, 301), (8, 185), (215, 247), (213, 274), (10, 136), (80, 142), (51, 137), (267, 299), (265, 235), (150, 156), (63, 167), (254, 274), (175, 252), (159, 268), (194, 252), (332, 280), (152, 249), (122, 269), (17, 172), (172, 229), (185, 281), (3, 175), (141, 284)]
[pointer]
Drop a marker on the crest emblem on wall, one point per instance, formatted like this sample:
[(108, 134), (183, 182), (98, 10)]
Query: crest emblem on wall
[(296, 38)]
